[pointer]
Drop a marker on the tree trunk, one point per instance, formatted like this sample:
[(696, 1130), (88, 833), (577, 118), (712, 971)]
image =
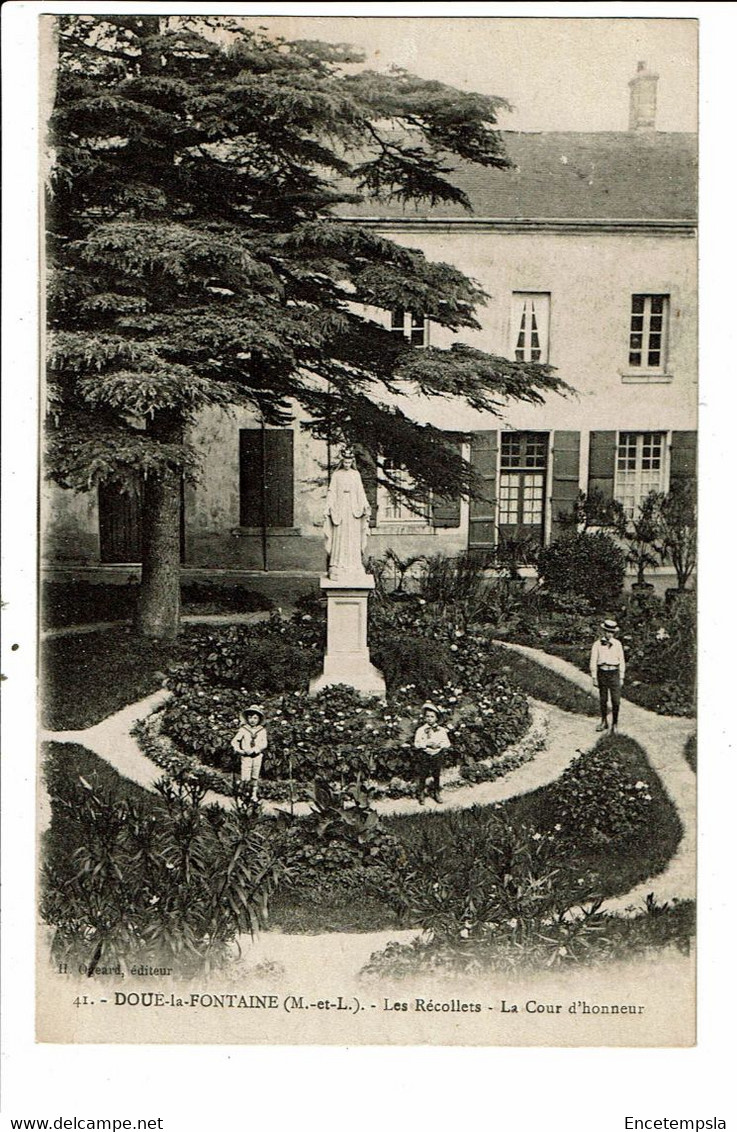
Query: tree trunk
[(159, 598)]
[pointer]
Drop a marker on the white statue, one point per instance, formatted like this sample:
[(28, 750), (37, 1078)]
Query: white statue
[(347, 514)]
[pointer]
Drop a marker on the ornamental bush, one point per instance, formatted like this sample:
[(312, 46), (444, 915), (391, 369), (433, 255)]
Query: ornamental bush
[(408, 660), (486, 727), (341, 835), (272, 656), (168, 881), (339, 736), (477, 875), (662, 641), (590, 565), (336, 735), (597, 802)]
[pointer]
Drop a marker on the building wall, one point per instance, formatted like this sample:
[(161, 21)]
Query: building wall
[(69, 525), (591, 276)]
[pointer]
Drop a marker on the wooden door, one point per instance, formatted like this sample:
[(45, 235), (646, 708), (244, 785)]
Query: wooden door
[(120, 524)]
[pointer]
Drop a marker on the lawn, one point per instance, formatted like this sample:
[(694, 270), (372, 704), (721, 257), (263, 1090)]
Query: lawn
[(539, 682), (88, 676), (70, 760)]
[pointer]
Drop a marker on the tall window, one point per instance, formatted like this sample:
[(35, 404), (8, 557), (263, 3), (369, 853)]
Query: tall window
[(648, 331), (412, 326), (392, 507), (267, 477), (530, 325), (523, 464), (640, 468)]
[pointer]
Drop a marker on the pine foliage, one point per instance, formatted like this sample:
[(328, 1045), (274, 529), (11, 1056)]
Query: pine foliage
[(195, 259)]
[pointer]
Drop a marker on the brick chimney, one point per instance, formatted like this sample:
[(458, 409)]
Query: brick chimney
[(643, 99)]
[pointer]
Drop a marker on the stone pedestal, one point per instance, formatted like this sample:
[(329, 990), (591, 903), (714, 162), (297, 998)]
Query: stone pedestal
[(347, 655)]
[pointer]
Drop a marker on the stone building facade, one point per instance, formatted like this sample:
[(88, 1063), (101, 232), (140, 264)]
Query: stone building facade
[(587, 250)]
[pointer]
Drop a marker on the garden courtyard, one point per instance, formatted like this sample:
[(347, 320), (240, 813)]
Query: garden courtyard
[(549, 846)]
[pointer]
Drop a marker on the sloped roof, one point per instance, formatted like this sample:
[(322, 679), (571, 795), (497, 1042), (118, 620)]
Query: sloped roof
[(608, 176)]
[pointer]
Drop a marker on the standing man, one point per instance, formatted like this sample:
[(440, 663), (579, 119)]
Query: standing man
[(607, 671)]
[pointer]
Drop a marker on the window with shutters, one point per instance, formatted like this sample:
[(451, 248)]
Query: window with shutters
[(640, 468), (414, 327), (530, 325), (523, 466), (266, 477), (649, 332), (391, 505)]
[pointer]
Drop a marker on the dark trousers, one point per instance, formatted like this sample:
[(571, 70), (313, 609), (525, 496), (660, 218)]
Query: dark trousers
[(428, 766), (609, 685)]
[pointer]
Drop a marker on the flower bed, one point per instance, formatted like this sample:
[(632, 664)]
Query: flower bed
[(337, 736), (659, 642)]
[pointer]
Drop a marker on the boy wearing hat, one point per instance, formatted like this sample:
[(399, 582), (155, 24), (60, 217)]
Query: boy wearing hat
[(250, 741), (430, 741), (607, 671)]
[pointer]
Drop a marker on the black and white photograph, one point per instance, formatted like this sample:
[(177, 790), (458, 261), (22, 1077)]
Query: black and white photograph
[(367, 530)]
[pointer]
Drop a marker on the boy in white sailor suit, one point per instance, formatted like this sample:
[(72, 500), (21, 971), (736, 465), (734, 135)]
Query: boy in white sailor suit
[(250, 741)]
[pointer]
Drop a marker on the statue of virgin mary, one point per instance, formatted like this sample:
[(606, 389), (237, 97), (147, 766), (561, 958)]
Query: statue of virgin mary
[(347, 514)]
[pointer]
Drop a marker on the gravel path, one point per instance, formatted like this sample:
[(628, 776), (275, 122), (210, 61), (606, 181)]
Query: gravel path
[(663, 738), (187, 619)]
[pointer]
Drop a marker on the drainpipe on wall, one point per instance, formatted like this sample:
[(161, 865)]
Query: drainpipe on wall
[(264, 544)]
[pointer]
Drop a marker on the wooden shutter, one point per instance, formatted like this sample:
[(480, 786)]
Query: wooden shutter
[(683, 457), (482, 516), (446, 510), (602, 460), (564, 488), (252, 478), (279, 475), (267, 477)]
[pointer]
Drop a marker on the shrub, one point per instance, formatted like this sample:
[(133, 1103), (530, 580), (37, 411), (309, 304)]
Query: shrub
[(675, 521), (336, 736), (662, 644), (272, 656), (448, 580), (342, 834), (250, 663), (588, 936), (171, 882), (478, 875), (597, 802), (590, 565), (408, 660)]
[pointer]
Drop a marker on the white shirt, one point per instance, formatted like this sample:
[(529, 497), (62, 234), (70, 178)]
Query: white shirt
[(250, 741), (432, 739), (607, 652)]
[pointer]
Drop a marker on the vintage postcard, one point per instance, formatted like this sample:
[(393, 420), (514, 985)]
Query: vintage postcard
[(367, 537)]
